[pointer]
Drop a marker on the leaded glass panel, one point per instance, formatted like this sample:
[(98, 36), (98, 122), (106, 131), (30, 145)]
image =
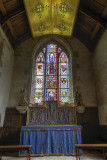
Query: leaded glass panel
[(59, 50), (51, 72), (51, 48), (63, 58), (51, 94), (39, 68), (38, 99), (39, 78), (51, 60), (44, 50), (51, 81), (39, 81), (64, 95), (40, 58), (51, 69), (64, 81), (63, 68), (38, 96), (54, 76), (63, 78)]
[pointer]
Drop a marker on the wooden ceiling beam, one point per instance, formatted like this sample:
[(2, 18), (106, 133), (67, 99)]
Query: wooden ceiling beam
[(82, 12), (83, 27), (104, 14), (95, 20), (2, 8), (11, 28), (21, 39), (95, 31), (15, 13), (94, 17)]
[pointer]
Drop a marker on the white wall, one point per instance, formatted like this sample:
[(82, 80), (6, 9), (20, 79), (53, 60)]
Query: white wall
[(83, 73), (6, 66), (100, 65)]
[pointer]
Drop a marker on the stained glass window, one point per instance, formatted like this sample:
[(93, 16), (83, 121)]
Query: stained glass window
[(63, 78), (39, 78), (51, 72), (52, 75)]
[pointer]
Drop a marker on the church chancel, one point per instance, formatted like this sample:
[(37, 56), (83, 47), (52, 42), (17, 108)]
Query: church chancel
[(51, 130), (53, 75), (51, 116)]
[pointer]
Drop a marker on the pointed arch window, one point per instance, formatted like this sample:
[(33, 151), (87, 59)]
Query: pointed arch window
[(63, 78), (39, 78), (52, 75)]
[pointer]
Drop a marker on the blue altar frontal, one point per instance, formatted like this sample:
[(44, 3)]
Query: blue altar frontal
[(51, 139)]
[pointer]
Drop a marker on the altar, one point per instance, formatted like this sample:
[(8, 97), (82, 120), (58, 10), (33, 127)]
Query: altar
[(51, 139)]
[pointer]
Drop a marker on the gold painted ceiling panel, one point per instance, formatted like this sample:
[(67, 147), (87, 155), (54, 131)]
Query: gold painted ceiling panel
[(51, 16)]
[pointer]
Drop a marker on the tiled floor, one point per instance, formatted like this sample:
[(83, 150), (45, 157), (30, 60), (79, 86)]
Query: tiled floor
[(92, 155)]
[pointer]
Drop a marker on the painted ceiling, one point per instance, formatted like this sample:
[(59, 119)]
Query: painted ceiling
[(51, 16)]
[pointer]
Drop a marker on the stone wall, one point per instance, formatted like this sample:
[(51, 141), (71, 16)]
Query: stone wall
[(83, 73), (22, 71), (6, 67), (83, 77), (100, 65)]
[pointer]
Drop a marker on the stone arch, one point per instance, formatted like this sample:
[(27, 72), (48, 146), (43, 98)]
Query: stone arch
[(40, 44)]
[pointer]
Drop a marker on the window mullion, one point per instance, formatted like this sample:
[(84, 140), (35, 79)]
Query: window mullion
[(45, 75)]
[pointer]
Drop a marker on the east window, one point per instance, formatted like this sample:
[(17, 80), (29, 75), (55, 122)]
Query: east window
[(52, 77)]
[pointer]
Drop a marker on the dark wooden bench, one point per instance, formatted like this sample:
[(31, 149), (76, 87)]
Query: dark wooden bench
[(16, 148), (102, 147), (105, 155)]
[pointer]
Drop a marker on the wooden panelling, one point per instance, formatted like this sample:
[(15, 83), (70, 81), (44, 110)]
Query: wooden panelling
[(91, 21), (104, 13), (94, 5), (97, 7), (88, 30), (95, 31), (16, 27), (8, 33), (2, 8), (11, 28), (84, 29), (11, 5), (19, 23), (103, 133), (102, 2), (13, 118), (86, 20), (90, 122), (10, 133)]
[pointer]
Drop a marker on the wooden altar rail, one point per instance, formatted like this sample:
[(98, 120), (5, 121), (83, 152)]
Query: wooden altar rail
[(102, 147), (15, 148)]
